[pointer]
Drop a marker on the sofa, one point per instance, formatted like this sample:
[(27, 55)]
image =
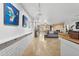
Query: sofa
[(51, 34)]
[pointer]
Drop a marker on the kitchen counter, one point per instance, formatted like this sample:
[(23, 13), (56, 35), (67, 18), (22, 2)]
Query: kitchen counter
[(67, 37), (74, 34)]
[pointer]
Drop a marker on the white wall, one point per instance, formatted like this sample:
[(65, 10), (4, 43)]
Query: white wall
[(8, 45), (10, 32)]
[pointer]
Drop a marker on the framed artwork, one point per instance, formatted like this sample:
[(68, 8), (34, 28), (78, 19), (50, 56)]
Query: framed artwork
[(25, 21), (77, 25), (11, 14)]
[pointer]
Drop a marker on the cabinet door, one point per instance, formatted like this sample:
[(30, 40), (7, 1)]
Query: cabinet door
[(69, 48)]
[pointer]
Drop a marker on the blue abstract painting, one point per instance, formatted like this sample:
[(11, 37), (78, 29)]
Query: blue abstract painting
[(11, 14), (25, 21)]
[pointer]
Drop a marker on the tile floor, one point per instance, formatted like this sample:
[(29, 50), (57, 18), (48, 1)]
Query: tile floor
[(43, 47)]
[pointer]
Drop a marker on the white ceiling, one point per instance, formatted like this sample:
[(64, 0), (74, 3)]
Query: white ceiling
[(54, 12)]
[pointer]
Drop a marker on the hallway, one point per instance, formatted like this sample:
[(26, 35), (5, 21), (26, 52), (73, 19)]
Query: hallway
[(39, 29), (43, 47)]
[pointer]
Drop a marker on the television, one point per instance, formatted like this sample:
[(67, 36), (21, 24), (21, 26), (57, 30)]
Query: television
[(11, 14), (77, 25)]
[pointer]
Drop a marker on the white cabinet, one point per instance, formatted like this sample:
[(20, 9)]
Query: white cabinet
[(17, 47), (69, 48)]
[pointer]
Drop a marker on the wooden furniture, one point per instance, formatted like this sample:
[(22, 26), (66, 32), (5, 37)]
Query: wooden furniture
[(74, 34)]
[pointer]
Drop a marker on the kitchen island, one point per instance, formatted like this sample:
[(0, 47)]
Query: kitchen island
[(69, 46)]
